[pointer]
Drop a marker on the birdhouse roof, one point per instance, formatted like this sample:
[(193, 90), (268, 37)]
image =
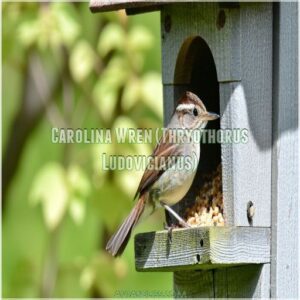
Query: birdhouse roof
[(135, 5)]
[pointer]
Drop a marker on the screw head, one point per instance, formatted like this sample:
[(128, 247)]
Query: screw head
[(250, 212)]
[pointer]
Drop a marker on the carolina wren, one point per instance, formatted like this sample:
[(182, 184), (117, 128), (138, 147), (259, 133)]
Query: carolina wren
[(165, 185)]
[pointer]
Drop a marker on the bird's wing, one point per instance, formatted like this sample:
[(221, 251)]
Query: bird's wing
[(159, 163)]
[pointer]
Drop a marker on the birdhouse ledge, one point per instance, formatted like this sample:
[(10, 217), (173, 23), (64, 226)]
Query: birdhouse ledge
[(202, 248)]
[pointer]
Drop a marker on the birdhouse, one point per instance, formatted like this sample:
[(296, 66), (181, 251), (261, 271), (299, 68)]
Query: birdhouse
[(241, 60)]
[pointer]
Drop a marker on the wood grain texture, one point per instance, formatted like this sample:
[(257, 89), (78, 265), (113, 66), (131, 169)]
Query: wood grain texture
[(244, 69), (203, 247), (285, 207), (239, 244), (201, 19), (248, 105), (171, 94), (245, 77), (110, 5), (250, 281), (193, 284)]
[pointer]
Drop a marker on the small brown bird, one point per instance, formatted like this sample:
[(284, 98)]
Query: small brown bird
[(163, 185)]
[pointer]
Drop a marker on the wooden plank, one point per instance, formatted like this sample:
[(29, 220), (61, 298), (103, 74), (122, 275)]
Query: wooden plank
[(110, 5), (241, 94), (193, 284), (230, 245), (154, 251), (202, 247), (218, 26), (248, 105), (140, 10), (248, 281), (285, 207), (246, 79), (242, 282), (226, 107)]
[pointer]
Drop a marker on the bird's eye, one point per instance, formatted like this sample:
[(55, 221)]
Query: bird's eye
[(195, 112)]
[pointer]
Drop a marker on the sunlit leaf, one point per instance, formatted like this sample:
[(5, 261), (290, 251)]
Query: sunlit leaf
[(128, 180), (103, 273), (50, 189), (124, 122), (77, 210), (78, 181), (152, 92), (105, 99), (116, 72), (111, 38), (28, 32), (131, 94), (80, 189), (120, 268), (82, 60), (124, 145), (48, 33), (97, 152), (106, 90), (87, 277), (139, 39), (67, 24)]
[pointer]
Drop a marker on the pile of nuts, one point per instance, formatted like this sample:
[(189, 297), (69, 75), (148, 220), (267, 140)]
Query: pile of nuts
[(208, 207)]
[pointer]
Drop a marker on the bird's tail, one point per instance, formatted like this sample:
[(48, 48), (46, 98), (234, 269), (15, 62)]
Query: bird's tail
[(117, 243)]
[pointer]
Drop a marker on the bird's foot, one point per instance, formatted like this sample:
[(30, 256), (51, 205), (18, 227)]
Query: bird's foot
[(176, 216), (184, 224), (170, 230)]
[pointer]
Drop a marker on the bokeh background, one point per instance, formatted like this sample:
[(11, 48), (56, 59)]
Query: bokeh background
[(65, 67)]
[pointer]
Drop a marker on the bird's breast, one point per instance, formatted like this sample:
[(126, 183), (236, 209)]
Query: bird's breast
[(175, 182)]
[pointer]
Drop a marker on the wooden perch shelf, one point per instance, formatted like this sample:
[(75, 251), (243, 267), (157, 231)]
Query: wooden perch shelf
[(202, 248)]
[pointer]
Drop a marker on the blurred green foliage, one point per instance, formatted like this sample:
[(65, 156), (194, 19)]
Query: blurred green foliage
[(64, 67)]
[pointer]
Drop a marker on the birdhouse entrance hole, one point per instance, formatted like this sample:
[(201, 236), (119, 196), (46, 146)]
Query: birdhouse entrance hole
[(196, 72)]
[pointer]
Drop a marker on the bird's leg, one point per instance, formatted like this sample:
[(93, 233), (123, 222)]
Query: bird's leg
[(176, 216), (169, 228)]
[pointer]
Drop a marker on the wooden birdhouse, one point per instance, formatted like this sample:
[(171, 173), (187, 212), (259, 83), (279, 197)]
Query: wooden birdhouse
[(241, 60)]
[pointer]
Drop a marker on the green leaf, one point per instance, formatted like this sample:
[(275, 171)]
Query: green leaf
[(112, 204), (97, 151), (87, 277), (82, 60), (28, 32), (123, 122), (80, 188), (111, 38), (50, 189), (105, 99), (67, 23), (103, 273), (116, 72), (139, 39), (105, 92), (152, 92), (131, 95), (77, 210), (78, 181), (128, 181), (120, 123)]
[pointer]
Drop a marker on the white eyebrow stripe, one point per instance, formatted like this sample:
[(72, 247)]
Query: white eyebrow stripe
[(185, 106)]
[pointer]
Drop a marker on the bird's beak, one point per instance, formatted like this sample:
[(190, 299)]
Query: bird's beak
[(209, 116)]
